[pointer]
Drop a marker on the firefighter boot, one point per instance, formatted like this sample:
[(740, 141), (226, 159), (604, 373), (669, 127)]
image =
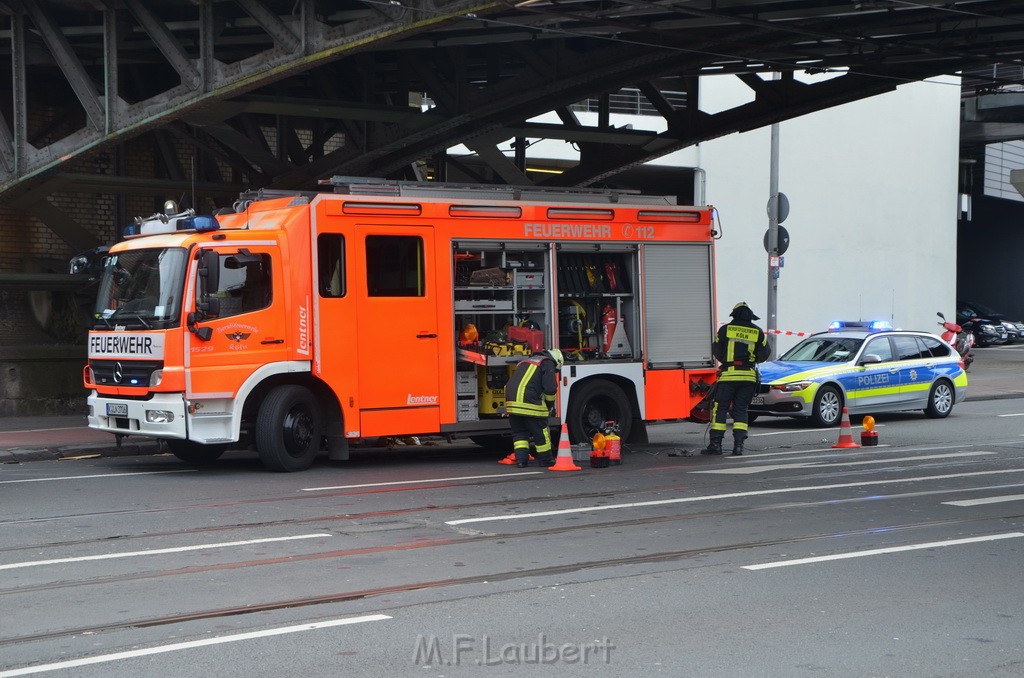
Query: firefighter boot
[(522, 458), (714, 444), (544, 460), (737, 445)]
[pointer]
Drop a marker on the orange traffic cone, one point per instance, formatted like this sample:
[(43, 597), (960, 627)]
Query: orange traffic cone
[(845, 435), (564, 462), (511, 458)]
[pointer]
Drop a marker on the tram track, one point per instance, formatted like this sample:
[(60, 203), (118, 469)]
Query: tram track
[(349, 596)]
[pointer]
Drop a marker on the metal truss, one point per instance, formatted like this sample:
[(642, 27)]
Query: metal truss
[(282, 93)]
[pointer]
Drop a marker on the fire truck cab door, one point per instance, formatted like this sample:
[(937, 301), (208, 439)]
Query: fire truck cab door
[(398, 331)]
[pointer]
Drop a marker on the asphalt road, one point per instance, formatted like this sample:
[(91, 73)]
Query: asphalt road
[(795, 560)]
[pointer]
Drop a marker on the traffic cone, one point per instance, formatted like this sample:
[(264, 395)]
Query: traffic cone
[(511, 458), (564, 462), (845, 435)]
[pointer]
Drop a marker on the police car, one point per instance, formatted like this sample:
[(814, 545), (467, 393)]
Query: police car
[(865, 367)]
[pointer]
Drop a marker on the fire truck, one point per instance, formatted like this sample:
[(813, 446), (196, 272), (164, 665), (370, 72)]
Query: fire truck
[(310, 321)]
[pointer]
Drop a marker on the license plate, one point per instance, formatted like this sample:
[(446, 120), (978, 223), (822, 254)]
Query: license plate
[(757, 400), (117, 409)]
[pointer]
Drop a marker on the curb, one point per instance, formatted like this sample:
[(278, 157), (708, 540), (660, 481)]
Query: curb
[(17, 455)]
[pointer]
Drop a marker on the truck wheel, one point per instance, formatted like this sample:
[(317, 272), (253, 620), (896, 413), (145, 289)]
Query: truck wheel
[(195, 453), (940, 400), (827, 407), (592, 404), (288, 429)]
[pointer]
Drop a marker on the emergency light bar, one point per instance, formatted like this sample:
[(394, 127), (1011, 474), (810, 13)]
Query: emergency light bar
[(870, 325), (170, 223)]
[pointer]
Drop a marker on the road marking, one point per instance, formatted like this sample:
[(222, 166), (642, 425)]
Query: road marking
[(218, 640), (418, 482), (1018, 414), (154, 552), (740, 470), (98, 475), (802, 430), (833, 451), (730, 495), (891, 549), (986, 500)]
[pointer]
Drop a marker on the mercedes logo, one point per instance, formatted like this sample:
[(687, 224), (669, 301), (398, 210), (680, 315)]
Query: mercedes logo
[(118, 373)]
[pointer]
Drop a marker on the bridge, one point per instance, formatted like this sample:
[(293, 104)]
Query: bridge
[(222, 95)]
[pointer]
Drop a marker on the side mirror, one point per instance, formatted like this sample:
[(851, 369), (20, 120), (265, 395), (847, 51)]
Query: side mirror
[(209, 281), (203, 333), (869, 359)]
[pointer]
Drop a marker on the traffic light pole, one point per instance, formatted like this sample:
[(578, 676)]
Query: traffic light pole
[(773, 237)]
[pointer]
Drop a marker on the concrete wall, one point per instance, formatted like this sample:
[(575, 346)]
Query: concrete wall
[(872, 187)]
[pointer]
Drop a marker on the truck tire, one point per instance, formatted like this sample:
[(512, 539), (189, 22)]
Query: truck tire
[(288, 429), (593, 403), (195, 453)]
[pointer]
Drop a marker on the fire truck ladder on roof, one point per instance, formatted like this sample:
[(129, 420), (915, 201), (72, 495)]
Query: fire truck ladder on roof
[(383, 187)]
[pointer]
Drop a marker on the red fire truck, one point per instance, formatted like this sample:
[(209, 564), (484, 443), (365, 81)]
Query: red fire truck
[(312, 320)]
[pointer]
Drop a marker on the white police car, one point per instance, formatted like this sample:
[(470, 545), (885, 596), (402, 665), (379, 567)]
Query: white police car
[(865, 367)]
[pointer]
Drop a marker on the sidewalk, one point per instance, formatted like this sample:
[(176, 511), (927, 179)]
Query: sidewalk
[(997, 373)]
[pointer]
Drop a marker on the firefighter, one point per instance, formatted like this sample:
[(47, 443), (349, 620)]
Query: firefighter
[(738, 347), (529, 399)]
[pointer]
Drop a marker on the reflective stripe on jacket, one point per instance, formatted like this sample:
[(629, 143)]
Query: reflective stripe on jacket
[(531, 389), (738, 347)]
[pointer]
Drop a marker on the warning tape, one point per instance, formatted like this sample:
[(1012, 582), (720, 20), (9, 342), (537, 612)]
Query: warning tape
[(789, 333)]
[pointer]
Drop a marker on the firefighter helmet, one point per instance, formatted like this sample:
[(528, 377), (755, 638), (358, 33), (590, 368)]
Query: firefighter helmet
[(742, 309), (556, 355)]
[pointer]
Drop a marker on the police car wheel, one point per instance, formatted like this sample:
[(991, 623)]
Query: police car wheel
[(940, 400), (828, 407)]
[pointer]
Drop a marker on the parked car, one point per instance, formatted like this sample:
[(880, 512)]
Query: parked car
[(989, 326), (867, 368)]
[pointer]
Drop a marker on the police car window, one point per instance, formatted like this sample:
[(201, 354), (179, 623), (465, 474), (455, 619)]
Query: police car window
[(909, 349), (823, 349), (879, 346), (933, 347)]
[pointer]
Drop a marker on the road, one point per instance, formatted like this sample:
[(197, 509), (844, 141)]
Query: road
[(795, 560)]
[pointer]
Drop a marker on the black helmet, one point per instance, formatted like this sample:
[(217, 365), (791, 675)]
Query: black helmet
[(743, 312)]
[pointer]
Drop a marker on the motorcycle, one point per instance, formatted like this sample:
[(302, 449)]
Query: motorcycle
[(959, 338)]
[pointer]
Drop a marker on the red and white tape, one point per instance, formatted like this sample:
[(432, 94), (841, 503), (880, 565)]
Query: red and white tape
[(789, 333)]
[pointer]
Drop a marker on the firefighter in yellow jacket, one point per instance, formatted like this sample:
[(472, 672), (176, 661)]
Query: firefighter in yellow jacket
[(529, 399), (739, 346)]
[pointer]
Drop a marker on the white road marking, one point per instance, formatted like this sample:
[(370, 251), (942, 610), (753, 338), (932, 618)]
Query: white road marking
[(425, 480), (1018, 414), (891, 549), (802, 430), (833, 451), (730, 495), (739, 470), (986, 500), (161, 649), (98, 475), (154, 552)]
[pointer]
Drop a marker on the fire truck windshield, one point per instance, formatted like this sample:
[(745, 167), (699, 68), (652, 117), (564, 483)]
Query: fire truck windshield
[(141, 289)]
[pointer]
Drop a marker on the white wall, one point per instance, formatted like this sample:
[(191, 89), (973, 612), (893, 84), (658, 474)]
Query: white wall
[(872, 187)]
